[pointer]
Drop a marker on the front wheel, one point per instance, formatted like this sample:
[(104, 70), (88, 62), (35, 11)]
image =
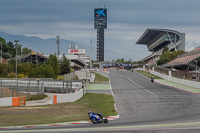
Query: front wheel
[(94, 120)]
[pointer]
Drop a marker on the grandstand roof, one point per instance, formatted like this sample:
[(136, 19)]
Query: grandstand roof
[(34, 57), (185, 59), (151, 33)]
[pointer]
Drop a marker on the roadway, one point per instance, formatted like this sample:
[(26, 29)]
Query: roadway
[(143, 107)]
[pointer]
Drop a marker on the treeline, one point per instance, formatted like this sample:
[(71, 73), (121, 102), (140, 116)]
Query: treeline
[(122, 60), (9, 49), (52, 69)]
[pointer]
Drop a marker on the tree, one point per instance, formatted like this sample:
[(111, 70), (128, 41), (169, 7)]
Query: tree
[(25, 68), (26, 51), (64, 65), (43, 71), (54, 63), (5, 69), (168, 56), (6, 55), (120, 60), (12, 62)]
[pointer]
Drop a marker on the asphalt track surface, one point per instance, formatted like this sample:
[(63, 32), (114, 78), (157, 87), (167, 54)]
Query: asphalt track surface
[(143, 107)]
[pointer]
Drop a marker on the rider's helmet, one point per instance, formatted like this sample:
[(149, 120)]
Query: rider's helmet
[(89, 112)]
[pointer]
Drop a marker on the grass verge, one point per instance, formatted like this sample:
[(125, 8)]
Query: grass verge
[(147, 74), (100, 78), (65, 112)]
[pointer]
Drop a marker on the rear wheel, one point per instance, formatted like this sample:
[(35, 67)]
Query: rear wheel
[(105, 120), (94, 120)]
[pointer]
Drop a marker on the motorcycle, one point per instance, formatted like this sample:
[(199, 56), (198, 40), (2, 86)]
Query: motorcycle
[(97, 118)]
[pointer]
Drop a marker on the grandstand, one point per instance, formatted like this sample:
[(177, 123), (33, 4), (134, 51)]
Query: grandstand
[(189, 61), (34, 57), (157, 39)]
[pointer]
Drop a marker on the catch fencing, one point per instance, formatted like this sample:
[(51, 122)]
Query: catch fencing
[(29, 87), (17, 87)]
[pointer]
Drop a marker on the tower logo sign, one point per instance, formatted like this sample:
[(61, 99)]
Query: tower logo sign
[(100, 14)]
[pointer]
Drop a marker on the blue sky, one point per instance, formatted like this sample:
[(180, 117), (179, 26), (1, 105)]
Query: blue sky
[(127, 20)]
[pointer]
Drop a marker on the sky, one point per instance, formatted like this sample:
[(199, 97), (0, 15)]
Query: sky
[(127, 21)]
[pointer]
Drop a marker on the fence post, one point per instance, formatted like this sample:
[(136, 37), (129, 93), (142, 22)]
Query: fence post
[(63, 87), (67, 88), (29, 87), (12, 91), (27, 90), (170, 73)]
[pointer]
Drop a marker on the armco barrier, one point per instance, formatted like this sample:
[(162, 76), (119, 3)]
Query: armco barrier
[(71, 97)]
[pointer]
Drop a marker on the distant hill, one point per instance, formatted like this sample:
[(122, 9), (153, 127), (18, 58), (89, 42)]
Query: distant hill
[(48, 46)]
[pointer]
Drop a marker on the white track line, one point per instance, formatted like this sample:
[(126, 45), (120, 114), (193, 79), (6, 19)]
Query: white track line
[(143, 88), (137, 85)]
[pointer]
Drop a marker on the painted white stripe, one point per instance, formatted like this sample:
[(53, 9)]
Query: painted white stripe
[(137, 85), (151, 92), (143, 88)]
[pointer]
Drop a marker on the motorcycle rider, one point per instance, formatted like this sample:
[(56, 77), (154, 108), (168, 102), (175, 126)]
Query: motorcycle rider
[(152, 79), (100, 115)]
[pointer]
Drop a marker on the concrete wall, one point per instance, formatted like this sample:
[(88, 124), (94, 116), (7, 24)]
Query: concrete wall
[(7, 101), (190, 83), (71, 97)]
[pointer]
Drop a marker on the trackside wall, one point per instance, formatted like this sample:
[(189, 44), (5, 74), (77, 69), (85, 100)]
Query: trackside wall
[(71, 97), (7, 101), (194, 84)]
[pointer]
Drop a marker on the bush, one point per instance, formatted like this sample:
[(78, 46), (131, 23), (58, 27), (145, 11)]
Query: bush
[(11, 75), (21, 76)]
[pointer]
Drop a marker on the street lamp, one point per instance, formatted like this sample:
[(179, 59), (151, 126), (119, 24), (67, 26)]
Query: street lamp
[(1, 51), (16, 57)]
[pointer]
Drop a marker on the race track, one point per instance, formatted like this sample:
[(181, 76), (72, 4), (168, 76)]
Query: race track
[(143, 107)]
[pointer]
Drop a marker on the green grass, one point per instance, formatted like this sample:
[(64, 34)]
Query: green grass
[(147, 74), (100, 78), (64, 112)]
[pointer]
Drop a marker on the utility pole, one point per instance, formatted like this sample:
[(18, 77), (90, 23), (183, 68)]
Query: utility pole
[(58, 45), (90, 54)]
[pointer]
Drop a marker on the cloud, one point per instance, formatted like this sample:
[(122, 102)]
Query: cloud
[(127, 21)]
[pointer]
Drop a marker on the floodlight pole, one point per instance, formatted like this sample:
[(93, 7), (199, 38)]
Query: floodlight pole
[(91, 54), (16, 56)]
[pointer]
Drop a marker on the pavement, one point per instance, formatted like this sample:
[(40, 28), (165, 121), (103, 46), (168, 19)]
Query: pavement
[(46, 101)]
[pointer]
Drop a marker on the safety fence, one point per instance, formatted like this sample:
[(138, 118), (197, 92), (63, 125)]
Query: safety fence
[(16, 88), (28, 87)]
